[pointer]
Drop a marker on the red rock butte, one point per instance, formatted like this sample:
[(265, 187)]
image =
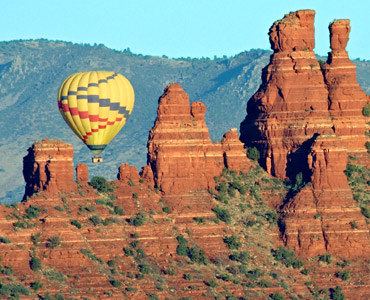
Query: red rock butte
[(299, 100), (307, 118)]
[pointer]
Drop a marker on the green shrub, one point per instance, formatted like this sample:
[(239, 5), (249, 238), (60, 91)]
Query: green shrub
[(197, 255), (76, 223), (129, 251), (111, 263), (4, 240), (222, 213), (118, 210), (35, 264), (182, 248), (199, 220), (166, 209), (211, 283), (90, 255), (287, 257), (101, 184), (152, 296), (336, 294), (344, 275), (6, 270), (138, 220), (272, 217), (365, 211), (36, 285), (145, 268), (58, 208), (53, 275), (242, 256), (366, 110), (188, 276), (32, 212), (305, 271), (53, 242), (353, 224), (253, 153), (140, 254), (368, 146), (115, 283), (95, 220), (277, 296), (13, 290), (170, 272), (250, 222), (325, 258), (232, 242), (135, 244), (35, 238)]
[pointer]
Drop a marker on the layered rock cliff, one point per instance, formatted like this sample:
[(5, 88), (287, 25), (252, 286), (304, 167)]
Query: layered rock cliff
[(48, 166), (306, 119), (291, 106), (323, 217), (299, 100), (346, 98), (180, 152)]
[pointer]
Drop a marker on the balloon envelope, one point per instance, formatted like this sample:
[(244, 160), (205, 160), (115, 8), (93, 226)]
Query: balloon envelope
[(96, 105)]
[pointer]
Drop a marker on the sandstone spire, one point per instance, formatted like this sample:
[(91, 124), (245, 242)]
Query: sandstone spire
[(290, 107)]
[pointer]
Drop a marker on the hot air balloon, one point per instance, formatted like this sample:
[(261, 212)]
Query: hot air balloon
[(96, 105)]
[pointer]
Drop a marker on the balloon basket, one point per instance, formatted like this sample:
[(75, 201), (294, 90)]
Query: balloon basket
[(97, 159)]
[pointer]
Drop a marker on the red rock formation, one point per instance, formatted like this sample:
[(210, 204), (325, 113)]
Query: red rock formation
[(82, 173), (128, 173), (346, 98), (48, 166), (291, 105), (181, 154), (318, 219), (232, 148)]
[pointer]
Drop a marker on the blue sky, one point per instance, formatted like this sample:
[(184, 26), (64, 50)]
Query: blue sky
[(177, 28)]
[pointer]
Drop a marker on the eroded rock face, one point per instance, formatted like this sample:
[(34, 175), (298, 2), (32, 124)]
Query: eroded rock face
[(48, 166), (306, 118), (298, 100), (294, 32), (127, 173), (346, 97), (82, 173), (291, 106), (180, 152), (319, 218)]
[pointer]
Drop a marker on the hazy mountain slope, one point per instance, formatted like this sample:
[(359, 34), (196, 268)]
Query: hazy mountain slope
[(31, 72)]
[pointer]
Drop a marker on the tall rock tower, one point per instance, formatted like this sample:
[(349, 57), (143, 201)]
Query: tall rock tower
[(48, 166)]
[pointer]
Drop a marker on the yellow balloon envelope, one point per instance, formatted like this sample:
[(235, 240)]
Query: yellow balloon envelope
[(96, 105)]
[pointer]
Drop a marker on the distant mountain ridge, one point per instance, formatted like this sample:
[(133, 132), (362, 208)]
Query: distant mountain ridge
[(31, 72)]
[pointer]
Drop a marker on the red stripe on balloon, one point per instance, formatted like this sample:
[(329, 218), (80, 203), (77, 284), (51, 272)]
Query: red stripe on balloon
[(102, 126), (84, 114), (118, 119), (65, 107), (94, 118), (94, 130), (110, 123), (89, 133), (103, 120), (74, 111)]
